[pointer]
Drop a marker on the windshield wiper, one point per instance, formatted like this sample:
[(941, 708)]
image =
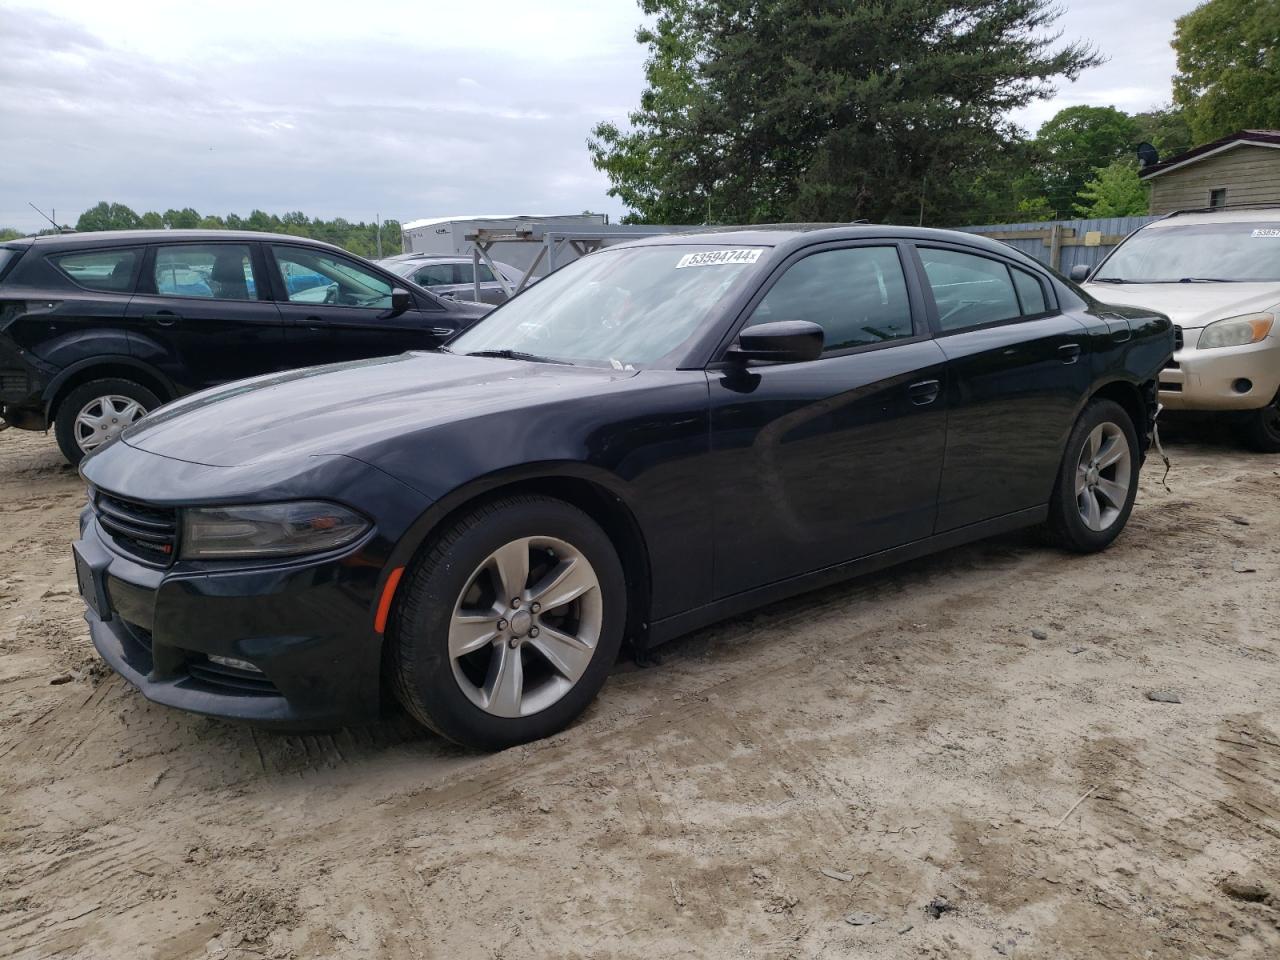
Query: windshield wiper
[(515, 355), (1113, 280), (1205, 280)]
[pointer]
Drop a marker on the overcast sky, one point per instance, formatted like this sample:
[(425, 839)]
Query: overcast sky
[(407, 108)]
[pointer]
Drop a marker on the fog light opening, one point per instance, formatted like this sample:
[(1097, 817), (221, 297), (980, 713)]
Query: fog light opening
[(233, 663), (1242, 385)]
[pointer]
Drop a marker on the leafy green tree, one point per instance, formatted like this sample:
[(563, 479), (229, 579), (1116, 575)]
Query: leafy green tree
[(1166, 129), (1228, 75), (8, 233), (184, 219), (759, 110), (1114, 191), (151, 221), (1074, 143), (212, 223), (109, 216)]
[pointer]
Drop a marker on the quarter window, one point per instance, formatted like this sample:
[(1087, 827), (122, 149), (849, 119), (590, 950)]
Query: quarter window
[(970, 291), (215, 271), (857, 295), (312, 276), (1030, 292), (111, 271)]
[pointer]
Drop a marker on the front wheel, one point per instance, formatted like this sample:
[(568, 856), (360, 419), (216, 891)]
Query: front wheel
[(1097, 481), (1262, 429), (506, 629), (98, 411)]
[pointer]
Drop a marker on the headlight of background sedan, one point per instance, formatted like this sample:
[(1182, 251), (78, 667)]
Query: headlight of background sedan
[(268, 530), (1236, 331)]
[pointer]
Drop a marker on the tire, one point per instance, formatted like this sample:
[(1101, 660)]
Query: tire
[(131, 400), (456, 638), (1073, 524), (1262, 429)]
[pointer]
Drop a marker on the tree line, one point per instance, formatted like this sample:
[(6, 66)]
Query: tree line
[(830, 110), (359, 238)]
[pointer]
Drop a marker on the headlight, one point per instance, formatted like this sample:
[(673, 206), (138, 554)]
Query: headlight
[(1236, 331), (268, 530)]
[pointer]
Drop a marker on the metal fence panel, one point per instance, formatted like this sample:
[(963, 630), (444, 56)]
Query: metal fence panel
[(1078, 241)]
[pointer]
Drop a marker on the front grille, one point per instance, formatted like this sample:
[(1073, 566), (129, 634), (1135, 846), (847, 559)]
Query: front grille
[(1177, 337), (1170, 386), (142, 531)]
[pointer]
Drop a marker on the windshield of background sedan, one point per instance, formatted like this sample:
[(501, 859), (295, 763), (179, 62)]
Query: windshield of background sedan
[(1237, 252), (628, 307)]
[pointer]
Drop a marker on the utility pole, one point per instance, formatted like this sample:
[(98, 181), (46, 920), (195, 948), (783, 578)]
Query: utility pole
[(378, 219)]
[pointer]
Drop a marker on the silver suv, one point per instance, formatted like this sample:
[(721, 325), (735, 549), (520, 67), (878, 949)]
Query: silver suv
[(1217, 275)]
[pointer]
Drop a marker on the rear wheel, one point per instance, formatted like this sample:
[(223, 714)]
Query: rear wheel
[(1262, 429), (506, 630), (1098, 480), (98, 411)]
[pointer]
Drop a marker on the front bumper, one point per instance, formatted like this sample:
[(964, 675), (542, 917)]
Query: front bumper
[(306, 625), (23, 381), (1215, 379)]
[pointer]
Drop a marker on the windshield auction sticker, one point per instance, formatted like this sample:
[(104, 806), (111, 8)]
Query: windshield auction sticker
[(1266, 232), (712, 258)]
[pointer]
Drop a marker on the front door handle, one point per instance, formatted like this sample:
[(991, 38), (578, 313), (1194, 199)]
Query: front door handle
[(162, 318), (924, 392), (1069, 352)]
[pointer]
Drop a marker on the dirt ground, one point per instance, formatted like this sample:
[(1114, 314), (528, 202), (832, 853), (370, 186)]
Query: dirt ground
[(973, 727)]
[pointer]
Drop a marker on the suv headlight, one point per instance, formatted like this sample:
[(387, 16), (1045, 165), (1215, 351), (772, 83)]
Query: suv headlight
[(1236, 331), (268, 529)]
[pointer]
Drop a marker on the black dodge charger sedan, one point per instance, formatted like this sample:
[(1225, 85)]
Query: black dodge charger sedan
[(657, 436)]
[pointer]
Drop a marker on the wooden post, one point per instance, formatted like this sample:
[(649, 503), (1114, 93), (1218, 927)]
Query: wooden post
[(1055, 246)]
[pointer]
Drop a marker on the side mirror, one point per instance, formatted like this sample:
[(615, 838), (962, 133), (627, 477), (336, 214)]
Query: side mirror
[(401, 300), (1080, 273), (785, 341)]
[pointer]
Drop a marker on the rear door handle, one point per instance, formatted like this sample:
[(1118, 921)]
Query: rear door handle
[(163, 318), (924, 392), (1069, 352)]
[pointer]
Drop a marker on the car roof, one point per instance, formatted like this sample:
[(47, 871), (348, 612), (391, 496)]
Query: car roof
[(112, 238), (804, 234), (1261, 214)]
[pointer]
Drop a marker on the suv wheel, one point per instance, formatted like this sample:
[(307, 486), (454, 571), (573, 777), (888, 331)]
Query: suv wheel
[(98, 411), (1263, 427), (506, 629), (1098, 480)]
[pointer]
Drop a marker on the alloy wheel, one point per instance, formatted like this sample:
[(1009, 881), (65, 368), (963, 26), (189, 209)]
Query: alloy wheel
[(104, 418), (1102, 476), (526, 626)]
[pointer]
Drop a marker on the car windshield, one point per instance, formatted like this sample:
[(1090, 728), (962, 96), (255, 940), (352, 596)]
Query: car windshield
[(1239, 252), (629, 307)]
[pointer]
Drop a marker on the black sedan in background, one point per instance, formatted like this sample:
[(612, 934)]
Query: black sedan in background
[(657, 436), (96, 329)]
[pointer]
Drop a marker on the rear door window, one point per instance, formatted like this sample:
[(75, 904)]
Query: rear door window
[(435, 275), (111, 271), (213, 271), (970, 291)]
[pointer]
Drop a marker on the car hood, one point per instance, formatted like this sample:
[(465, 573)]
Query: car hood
[(341, 408), (1190, 305)]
